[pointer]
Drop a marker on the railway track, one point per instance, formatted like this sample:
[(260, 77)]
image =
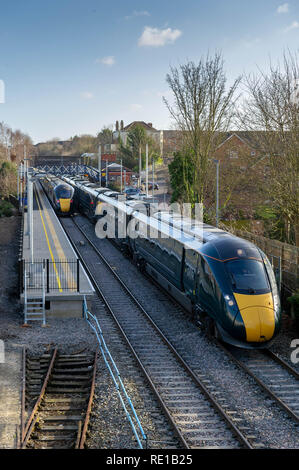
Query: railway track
[(277, 378), (199, 419), (59, 390)]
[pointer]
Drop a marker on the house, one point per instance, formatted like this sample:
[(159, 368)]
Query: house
[(235, 145), (122, 132), (114, 173)]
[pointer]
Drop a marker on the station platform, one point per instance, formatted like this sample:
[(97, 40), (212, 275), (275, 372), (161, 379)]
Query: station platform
[(53, 266)]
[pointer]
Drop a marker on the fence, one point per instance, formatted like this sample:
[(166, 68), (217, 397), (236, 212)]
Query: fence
[(60, 275), (284, 257)]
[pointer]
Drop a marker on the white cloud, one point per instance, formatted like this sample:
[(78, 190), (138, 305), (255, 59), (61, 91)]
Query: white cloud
[(135, 107), (251, 42), (158, 37), (137, 13), (109, 60), (284, 8), (293, 25), (87, 95)]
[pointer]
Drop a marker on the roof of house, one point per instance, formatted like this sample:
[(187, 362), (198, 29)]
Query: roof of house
[(250, 138), (146, 126)]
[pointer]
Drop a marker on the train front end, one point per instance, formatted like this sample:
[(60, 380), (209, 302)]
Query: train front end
[(251, 313), (63, 194)]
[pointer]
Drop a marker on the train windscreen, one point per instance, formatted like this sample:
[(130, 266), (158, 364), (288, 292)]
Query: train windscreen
[(248, 276), (63, 192)]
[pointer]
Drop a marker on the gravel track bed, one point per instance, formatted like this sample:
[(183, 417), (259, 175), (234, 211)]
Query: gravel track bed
[(271, 425), (279, 380)]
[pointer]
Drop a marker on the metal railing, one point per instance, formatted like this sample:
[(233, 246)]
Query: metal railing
[(114, 372), (60, 275), (72, 169)]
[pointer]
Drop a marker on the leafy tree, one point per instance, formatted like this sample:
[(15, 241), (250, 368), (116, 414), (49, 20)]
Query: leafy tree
[(105, 135), (132, 151), (181, 171)]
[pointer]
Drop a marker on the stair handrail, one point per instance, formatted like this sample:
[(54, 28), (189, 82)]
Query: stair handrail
[(44, 296)]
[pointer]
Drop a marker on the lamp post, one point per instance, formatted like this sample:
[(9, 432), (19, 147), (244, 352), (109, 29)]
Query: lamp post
[(121, 175), (153, 176), (140, 167), (100, 163), (217, 190), (30, 214), (146, 169), (26, 187)]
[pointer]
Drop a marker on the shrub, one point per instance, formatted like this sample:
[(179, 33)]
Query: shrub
[(5, 209), (294, 300)]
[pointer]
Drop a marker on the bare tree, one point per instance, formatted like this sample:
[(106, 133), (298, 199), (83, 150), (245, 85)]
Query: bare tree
[(202, 109), (271, 112), (13, 144)]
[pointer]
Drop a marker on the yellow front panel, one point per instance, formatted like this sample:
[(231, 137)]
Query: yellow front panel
[(258, 316), (262, 300), (65, 205)]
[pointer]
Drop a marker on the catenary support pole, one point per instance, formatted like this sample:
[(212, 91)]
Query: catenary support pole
[(146, 169)]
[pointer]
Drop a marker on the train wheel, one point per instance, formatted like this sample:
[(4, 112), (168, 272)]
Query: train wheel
[(216, 332), (209, 326), (197, 316), (141, 264)]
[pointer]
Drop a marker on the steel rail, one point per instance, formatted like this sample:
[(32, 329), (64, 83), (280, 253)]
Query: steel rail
[(259, 381), (32, 419), (283, 363), (238, 434), (88, 411), (23, 397)]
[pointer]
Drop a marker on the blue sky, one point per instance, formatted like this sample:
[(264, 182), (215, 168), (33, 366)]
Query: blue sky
[(72, 66)]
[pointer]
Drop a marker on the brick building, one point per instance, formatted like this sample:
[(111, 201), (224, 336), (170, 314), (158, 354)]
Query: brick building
[(122, 132)]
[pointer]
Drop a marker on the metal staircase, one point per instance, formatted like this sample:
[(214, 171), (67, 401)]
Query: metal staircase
[(34, 305)]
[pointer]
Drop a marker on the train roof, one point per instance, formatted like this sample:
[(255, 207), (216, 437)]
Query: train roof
[(216, 242), (211, 241)]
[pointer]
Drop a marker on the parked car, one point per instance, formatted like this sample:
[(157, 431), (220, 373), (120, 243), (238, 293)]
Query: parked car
[(131, 191)]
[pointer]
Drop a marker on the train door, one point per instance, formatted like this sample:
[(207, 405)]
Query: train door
[(189, 273), (206, 287)]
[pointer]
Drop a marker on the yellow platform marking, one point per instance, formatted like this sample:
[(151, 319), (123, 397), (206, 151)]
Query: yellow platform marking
[(258, 316), (67, 272), (47, 238)]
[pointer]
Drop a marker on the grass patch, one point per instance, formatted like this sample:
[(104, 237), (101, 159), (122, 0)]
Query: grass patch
[(243, 224)]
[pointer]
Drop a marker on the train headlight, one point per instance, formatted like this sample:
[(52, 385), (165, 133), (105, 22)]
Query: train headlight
[(229, 300)]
